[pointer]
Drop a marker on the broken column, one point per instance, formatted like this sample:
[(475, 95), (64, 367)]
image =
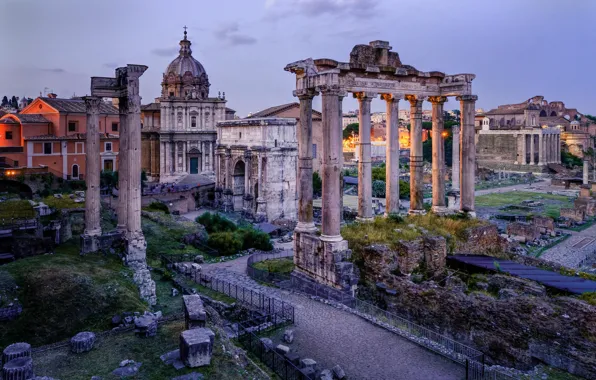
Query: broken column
[(468, 153), (16, 350), (18, 369), (416, 156), (364, 158), (90, 238), (305, 171), (82, 342), (392, 153), (194, 311), (438, 155), (586, 173), (196, 347)]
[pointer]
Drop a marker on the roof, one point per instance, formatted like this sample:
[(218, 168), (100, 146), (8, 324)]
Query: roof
[(273, 111), (505, 111), (230, 110), (77, 106), (76, 136), (25, 119), (151, 107)]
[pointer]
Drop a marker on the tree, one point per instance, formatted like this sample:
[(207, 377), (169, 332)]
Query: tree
[(4, 101), (591, 118), (14, 102), (317, 184), (351, 128), (378, 189)]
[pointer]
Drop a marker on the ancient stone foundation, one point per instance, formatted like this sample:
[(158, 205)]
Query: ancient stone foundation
[(194, 311), (196, 347), (324, 262)]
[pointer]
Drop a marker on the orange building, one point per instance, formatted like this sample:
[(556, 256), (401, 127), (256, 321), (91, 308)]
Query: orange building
[(50, 133)]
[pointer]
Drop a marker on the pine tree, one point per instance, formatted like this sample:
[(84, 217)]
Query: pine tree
[(4, 101), (14, 102)]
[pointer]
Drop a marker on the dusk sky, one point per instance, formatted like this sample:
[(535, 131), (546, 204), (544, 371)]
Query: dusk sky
[(516, 48)]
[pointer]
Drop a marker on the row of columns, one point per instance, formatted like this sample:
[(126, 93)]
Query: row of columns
[(332, 96), (546, 145), (170, 152)]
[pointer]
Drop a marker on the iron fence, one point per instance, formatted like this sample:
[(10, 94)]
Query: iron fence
[(279, 364), (281, 280)]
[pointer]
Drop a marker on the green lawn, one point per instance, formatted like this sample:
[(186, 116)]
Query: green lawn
[(65, 293), (285, 265), (16, 209), (552, 203)]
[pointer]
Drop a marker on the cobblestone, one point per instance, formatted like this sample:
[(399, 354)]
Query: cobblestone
[(571, 252)]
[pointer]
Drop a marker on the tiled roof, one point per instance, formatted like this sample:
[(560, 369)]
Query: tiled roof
[(76, 136), (78, 106), (27, 118), (273, 111), (150, 107)]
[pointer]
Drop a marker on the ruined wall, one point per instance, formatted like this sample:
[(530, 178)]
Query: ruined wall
[(529, 231), (574, 214), (483, 240), (502, 147)]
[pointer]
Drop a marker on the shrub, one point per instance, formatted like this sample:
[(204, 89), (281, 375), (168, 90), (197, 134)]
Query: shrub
[(158, 206), (215, 223), (404, 189), (317, 184), (226, 243), (570, 160), (378, 189), (252, 238)]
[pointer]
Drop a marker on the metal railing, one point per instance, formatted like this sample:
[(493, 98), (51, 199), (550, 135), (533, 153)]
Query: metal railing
[(281, 280)]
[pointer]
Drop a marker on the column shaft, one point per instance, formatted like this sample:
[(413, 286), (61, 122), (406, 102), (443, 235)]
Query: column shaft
[(364, 161), (438, 154), (134, 163), (392, 153), (123, 154), (203, 156), (92, 171), (305, 171), (532, 154), (260, 176), (332, 151), (455, 164), (541, 145), (468, 152), (416, 159)]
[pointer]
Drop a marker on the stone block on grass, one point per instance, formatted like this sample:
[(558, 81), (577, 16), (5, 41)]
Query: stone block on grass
[(196, 347), (20, 368), (281, 349), (82, 342), (16, 350), (194, 311)]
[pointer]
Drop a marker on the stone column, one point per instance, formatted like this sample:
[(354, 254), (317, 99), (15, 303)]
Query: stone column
[(517, 150), (532, 154), (305, 171), (211, 163), (123, 154), (203, 156), (416, 159), (365, 213), (134, 157), (438, 154), (92, 171), (468, 153), (392, 153), (559, 148), (332, 152), (228, 182), (455, 167), (586, 176), (162, 157), (541, 148), (247, 163)]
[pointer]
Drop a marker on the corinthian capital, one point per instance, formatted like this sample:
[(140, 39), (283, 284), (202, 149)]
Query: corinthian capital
[(392, 97), (92, 104), (332, 89), (305, 93), (437, 99), (467, 98), (364, 96), (415, 100)]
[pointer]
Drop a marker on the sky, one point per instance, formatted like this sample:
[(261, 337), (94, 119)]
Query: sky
[(516, 48)]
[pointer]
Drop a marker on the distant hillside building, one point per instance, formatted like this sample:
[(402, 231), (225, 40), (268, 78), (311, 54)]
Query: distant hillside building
[(50, 133)]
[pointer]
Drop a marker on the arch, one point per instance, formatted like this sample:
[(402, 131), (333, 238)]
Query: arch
[(553, 113), (74, 173), (238, 184), (543, 113), (10, 186)]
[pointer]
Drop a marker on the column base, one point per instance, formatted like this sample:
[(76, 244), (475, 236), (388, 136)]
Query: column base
[(90, 243), (441, 210), (331, 238), (416, 212), (135, 258), (453, 202), (308, 228), (100, 243), (261, 215), (360, 219), (471, 214)]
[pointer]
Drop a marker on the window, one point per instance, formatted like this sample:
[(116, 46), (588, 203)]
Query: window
[(114, 127), (314, 150), (108, 147), (79, 147), (240, 135), (72, 126), (47, 148), (193, 122), (75, 171), (171, 93), (16, 163), (9, 135)]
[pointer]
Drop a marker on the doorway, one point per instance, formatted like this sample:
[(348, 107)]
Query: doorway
[(194, 165), (108, 165)]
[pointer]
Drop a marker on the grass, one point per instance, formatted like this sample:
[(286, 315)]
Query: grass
[(16, 209), (110, 351), (63, 203), (285, 265), (65, 293), (551, 208)]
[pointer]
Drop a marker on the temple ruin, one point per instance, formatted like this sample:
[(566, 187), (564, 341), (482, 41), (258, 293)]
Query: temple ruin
[(373, 70), (124, 87)]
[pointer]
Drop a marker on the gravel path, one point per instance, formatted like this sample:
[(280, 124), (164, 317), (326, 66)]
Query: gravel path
[(331, 336)]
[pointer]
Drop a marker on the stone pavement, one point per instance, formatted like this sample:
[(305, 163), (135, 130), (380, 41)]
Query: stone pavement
[(332, 336), (574, 249)]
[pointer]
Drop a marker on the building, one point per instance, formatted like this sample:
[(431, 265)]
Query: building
[(292, 110), (256, 167), (349, 118), (187, 120), (50, 133)]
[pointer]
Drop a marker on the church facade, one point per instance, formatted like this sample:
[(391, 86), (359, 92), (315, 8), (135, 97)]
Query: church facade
[(180, 127)]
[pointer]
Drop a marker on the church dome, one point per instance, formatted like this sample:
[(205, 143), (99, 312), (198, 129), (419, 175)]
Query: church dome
[(185, 77)]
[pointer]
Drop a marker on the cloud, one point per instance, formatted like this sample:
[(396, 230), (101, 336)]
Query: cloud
[(276, 9), (229, 33), (165, 52), (55, 70)]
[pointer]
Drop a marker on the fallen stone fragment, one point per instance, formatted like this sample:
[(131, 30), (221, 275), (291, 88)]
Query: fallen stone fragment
[(293, 358), (146, 325), (189, 376), (339, 372), (18, 369), (326, 375), (308, 363), (196, 347), (289, 336), (282, 349), (16, 350), (129, 369), (82, 342), (267, 344), (194, 311)]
